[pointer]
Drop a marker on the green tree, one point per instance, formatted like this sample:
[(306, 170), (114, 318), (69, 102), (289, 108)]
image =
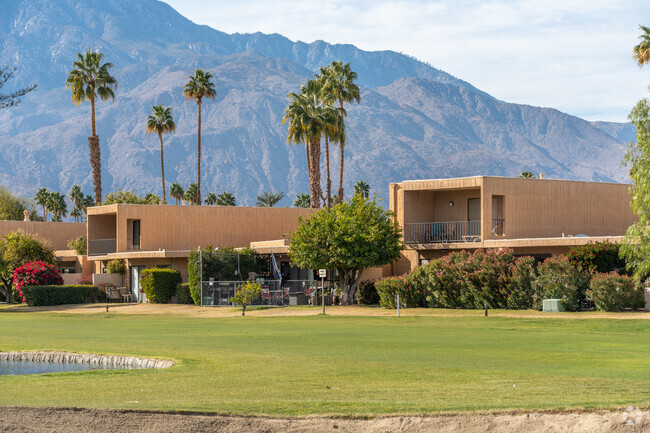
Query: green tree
[(161, 122), (151, 198), (246, 293), (79, 245), (17, 249), (13, 207), (41, 198), (362, 188), (641, 51), (89, 79), (176, 191), (191, 194), (211, 199), (198, 87), (76, 214), (226, 199), (13, 98), (268, 199), (57, 206), (302, 200), (88, 201), (340, 82), (527, 175), (129, 197), (349, 237)]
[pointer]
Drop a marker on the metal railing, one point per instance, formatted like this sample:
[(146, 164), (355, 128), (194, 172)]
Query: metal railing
[(446, 231), (131, 245), (498, 226), (97, 247), (274, 292)]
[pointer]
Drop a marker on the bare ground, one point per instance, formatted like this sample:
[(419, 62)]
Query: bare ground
[(41, 420)]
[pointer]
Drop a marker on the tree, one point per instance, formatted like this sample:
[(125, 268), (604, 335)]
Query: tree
[(41, 197), (246, 293), (161, 122), (268, 199), (12, 98), (191, 194), (210, 199), (79, 245), (362, 188), (177, 192), (349, 237), (302, 200), (226, 199), (197, 88), (57, 206), (636, 245), (76, 214), (17, 249), (151, 198), (13, 207), (641, 51), (340, 82), (130, 197), (88, 201), (527, 175), (88, 80)]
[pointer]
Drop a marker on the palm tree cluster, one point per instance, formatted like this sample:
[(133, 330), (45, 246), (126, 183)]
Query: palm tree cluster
[(269, 199), (55, 204), (312, 116)]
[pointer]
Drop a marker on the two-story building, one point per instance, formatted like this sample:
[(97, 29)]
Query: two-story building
[(538, 217)]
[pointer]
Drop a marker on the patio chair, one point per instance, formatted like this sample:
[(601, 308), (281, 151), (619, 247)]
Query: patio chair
[(114, 294), (125, 294)]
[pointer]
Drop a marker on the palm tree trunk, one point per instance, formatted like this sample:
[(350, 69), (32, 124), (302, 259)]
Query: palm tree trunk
[(95, 155), (198, 183), (342, 160), (315, 173), (328, 188), (92, 117), (162, 168)]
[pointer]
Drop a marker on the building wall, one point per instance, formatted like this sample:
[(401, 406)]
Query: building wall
[(57, 233)]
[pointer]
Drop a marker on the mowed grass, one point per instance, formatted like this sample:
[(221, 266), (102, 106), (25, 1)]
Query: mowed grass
[(336, 365)]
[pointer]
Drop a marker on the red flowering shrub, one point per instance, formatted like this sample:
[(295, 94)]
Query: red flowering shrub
[(35, 274), (614, 292)]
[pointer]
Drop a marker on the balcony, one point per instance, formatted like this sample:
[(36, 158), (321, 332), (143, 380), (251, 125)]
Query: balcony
[(98, 247), (448, 231)]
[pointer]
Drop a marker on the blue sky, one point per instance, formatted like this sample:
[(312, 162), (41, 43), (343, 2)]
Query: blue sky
[(573, 55)]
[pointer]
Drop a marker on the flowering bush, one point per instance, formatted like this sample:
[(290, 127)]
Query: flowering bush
[(613, 292), (558, 278), (35, 274), (389, 287)]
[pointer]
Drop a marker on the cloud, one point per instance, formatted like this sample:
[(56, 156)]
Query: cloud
[(572, 55)]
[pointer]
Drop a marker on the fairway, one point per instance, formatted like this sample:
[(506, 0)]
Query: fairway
[(336, 365)]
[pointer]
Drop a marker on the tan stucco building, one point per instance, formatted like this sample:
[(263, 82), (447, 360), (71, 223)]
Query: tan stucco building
[(539, 217)]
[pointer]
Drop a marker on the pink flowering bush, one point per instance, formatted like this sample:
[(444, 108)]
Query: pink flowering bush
[(614, 292), (35, 274)]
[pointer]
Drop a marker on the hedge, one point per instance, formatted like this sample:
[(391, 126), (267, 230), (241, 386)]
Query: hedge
[(367, 294), (159, 284), (558, 278), (614, 292), (183, 295), (39, 296)]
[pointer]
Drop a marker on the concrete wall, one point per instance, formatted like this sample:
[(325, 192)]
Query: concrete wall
[(58, 234)]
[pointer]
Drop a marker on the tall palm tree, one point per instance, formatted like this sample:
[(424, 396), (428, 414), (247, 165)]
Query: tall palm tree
[(641, 51), (41, 198), (340, 83), (161, 122), (269, 199), (226, 199), (87, 202), (211, 199), (88, 80), (76, 214), (302, 200), (362, 188), (76, 197), (198, 87), (57, 206), (177, 192), (190, 194)]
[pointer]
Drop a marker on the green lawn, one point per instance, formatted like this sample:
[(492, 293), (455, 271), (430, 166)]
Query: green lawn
[(336, 365)]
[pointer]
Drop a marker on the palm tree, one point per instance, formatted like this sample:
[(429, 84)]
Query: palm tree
[(76, 197), (191, 194), (87, 202), (198, 87), (161, 121), (226, 199), (57, 206), (211, 199), (641, 51), (302, 200), (88, 80), (268, 199), (362, 188), (340, 83), (527, 175), (41, 198), (177, 192), (76, 214)]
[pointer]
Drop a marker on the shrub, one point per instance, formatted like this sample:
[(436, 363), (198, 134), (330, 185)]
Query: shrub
[(183, 295), (367, 294), (597, 257), (79, 245), (116, 266), (389, 287), (614, 292), (558, 278), (35, 274), (520, 288), (85, 280), (159, 284), (246, 293), (38, 296)]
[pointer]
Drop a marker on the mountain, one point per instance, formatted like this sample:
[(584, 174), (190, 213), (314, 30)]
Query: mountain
[(414, 121)]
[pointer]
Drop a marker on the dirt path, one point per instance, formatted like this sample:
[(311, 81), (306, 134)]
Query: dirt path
[(41, 420), (194, 311)]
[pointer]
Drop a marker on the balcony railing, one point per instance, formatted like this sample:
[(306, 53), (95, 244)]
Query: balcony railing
[(447, 231), (98, 247), (498, 226)]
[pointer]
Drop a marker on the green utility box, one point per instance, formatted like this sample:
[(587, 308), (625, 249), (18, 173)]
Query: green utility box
[(552, 305)]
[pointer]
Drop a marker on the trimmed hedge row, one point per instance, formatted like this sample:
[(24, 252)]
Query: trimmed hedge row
[(40, 296), (159, 284), (183, 294)]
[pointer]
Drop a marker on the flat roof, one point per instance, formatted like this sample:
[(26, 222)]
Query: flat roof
[(508, 178)]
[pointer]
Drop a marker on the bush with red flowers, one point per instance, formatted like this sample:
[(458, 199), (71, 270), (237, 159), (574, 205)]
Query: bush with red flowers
[(35, 274)]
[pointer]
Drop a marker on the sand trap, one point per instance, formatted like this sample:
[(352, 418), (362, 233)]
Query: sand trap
[(14, 419)]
